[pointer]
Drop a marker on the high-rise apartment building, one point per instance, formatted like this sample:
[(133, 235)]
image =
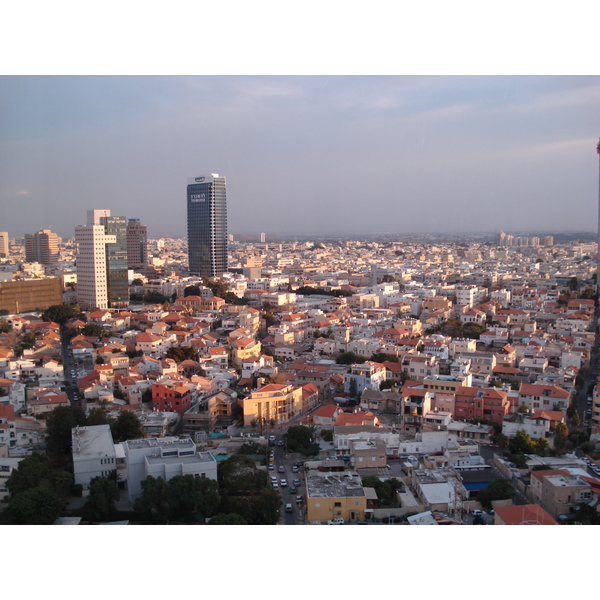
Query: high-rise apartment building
[(137, 244), (41, 247), (3, 244), (207, 225), (102, 261)]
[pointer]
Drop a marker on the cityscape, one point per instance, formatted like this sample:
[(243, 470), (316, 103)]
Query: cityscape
[(256, 380), (407, 340)]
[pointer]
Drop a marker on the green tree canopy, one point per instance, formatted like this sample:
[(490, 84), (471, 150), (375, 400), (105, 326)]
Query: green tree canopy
[(499, 489), (191, 290), (30, 473), (188, 495), (93, 330), (228, 519), (561, 433), (152, 507), (349, 358), (299, 438), (181, 353), (103, 495), (127, 427), (35, 506), (58, 313), (59, 424)]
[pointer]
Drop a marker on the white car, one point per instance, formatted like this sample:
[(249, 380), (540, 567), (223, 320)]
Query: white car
[(336, 521), (282, 482)]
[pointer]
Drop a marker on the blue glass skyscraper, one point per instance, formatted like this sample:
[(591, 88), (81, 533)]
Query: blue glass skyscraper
[(207, 225)]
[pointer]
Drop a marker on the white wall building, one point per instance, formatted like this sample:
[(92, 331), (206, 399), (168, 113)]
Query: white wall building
[(92, 276), (94, 453), (166, 458)]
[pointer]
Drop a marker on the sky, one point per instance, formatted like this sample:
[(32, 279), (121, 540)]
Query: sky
[(303, 155)]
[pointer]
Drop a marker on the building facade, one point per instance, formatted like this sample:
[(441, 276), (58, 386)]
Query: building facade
[(41, 247), (137, 244), (102, 261), (207, 225)]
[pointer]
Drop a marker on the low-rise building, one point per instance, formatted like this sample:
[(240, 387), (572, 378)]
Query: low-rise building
[(94, 453), (334, 495), (165, 458)]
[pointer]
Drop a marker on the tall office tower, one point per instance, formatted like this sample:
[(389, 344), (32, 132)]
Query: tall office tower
[(41, 247), (501, 239), (3, 244), (102, 261), (116, 256), (207, 225), (137, 244), (263, 238)]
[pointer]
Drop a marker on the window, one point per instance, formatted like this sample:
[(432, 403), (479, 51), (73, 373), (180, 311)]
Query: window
[(337, 504)]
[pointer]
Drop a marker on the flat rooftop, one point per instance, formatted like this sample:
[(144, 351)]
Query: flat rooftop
[(334, 485), (93, 441), (165, 442), (199, 457)]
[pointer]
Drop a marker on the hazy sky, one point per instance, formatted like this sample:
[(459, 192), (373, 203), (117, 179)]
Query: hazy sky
[(303, 154)]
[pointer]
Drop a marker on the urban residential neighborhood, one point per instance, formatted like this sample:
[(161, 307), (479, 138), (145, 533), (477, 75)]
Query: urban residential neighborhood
[(256, 380)]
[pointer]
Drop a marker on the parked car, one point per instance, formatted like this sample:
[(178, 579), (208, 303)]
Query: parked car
[(294, 469), (336, 521), (271, 467), (478, 513), (273, 479), (289, 508), (299, 498), (297, 482)]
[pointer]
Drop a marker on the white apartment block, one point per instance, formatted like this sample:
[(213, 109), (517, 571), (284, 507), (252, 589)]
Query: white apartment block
[(92, 276), (94, 453), (166, 458)]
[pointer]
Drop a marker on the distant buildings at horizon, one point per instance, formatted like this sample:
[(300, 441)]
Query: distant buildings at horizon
[(504, 239)]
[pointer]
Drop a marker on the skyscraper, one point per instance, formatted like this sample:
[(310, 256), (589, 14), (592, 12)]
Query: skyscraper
[(102, 261), (41, 247), (137, 244), (207, 225), (3, 244)]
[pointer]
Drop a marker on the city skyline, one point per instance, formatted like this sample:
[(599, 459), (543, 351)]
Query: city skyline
[(321, 155)]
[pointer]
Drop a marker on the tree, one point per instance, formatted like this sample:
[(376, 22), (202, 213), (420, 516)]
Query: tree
[(228, 519), (61, 483), (181, 353), (93, 330), (100, 504), (299, 438), (499, 489), (353, 390), (127, 427), (349, 358), (30, 473), (152, 507), (35, 506), (58, 313), (188, 495), (96, 416), (239, 475), (59, 424), (560, 437), (4, 326), (521, 443)]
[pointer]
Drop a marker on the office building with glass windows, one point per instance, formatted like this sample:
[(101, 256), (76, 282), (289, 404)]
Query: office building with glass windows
[(137, 244), (102, 261), (207, 225)]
